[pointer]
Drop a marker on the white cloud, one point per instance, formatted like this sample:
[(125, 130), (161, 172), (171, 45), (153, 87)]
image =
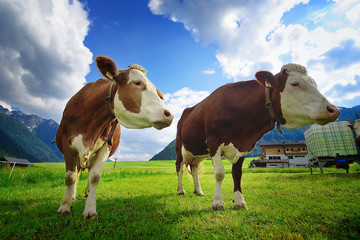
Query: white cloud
[(5, 105), (43, 60), (251, 36), (239, 28), (209, 71), (342, 6), (152, 140), (319, 16), (353, 15)]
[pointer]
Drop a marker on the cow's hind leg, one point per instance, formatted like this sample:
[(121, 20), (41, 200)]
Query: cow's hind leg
[(94, 179), (195, 174), (75, 184), (87, 188), (70, 192), (219, 174), (236, 174)]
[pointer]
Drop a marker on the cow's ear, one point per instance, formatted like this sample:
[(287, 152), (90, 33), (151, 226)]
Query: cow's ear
[(107, 67), (351, 126), (266, 78)]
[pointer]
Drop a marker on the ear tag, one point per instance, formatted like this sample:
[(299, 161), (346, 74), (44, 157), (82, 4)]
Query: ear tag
[(109, 75), (267, 84)]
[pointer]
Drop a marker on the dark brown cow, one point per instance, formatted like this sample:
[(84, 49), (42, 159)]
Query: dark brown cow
[(235, 116), (90, 117)]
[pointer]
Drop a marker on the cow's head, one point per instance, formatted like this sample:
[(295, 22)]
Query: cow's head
[(300, 100), (137, 103)]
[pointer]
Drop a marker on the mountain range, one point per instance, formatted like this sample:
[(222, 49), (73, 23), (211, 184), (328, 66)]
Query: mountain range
[(31, 136), (28, 136), (346, 114)]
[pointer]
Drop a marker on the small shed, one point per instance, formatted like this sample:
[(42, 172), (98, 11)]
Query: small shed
[(10, 161)]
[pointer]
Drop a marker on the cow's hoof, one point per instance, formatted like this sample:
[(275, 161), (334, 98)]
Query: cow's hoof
[(89, 211), (200, 194), (89, 214), (181, 193), (216, 206), (241, 206), (64, 210)]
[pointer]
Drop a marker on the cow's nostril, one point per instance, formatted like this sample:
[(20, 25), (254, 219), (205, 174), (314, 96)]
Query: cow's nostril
[(330, 109), (167, 114), (333, 112)]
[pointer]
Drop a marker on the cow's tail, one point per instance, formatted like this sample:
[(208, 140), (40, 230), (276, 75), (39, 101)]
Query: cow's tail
[(178, 145)]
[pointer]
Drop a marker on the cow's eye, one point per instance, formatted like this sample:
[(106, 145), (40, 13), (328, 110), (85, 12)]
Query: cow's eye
[(138, 83), (295, 84)]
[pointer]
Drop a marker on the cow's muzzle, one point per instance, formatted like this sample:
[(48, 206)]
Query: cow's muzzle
[(332, 113), (166, 120)]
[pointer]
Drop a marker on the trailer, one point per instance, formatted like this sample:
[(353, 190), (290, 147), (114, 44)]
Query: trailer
[(331, 144)]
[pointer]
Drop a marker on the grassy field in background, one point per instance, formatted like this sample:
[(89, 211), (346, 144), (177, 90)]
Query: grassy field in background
[(140, 202)]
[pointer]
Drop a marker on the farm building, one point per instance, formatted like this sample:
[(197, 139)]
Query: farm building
[(19, 162), (282, 154), (328, 143)]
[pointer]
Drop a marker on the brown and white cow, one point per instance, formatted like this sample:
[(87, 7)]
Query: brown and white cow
[(235, 116), (356, 128), (85, 135)]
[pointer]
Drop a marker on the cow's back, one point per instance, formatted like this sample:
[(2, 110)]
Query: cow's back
[(233, 114)]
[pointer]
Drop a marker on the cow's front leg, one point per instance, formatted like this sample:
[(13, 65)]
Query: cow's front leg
[(70, 192), (179, 171), (195, 174), (219, 173), (94, 179), (236, 174)]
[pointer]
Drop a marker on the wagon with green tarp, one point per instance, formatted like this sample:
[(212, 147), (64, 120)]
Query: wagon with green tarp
[(331, 144)]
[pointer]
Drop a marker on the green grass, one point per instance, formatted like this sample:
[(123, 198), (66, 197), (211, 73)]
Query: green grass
[(141, 203)]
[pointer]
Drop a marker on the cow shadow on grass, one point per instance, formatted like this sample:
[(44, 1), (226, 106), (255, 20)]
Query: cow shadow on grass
[(151, 216), (160, 216), (154, 216), (148, 206)]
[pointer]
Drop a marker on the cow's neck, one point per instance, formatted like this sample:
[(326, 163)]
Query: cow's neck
[(264, 121), (100, 117), (110, 98), (269, 106)]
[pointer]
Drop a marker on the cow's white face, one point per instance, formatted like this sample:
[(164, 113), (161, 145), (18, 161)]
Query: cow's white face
[(145, 108), (137, 103), (301, 101)]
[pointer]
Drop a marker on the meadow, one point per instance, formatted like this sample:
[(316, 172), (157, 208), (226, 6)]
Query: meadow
[(137, 200)]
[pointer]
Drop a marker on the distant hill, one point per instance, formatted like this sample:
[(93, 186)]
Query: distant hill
[(168, 153), (27, 136), (16, 140), (44, 129), (346, 114)]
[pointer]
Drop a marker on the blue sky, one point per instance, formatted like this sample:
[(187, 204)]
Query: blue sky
[(189, 48), (130, 33)]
